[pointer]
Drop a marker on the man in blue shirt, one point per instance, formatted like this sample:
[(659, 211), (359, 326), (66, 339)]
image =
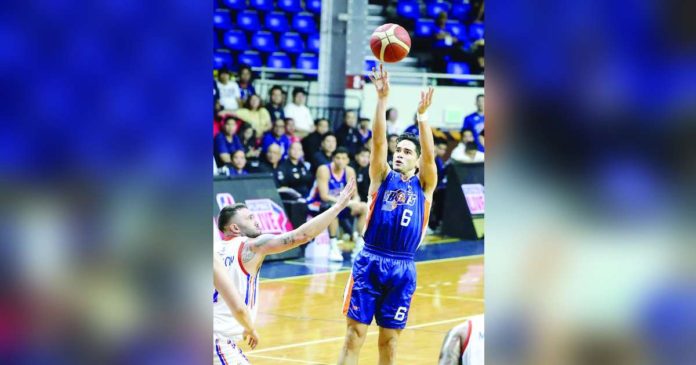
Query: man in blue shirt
[(226, 142), (276, 135), (474, 122)]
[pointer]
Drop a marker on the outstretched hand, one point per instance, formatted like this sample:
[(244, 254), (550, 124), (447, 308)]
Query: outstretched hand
[(346, 194), (381, 81), (251, 338), (426, 98)]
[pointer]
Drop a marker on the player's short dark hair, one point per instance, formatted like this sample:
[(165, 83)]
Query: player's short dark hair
[(413, 139), (328, 134), (227, 213), (470, 146), (298, 90), (338, 150)]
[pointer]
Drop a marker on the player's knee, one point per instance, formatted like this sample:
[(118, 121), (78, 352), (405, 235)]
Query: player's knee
[(355, 336), (387, 344)]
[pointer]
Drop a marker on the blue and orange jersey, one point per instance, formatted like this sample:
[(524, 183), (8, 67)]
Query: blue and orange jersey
[(397, 217)]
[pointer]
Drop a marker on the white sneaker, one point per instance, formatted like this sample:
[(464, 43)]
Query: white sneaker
[(335, 254)]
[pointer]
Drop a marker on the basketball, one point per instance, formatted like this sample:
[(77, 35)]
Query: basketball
[(390, 43)]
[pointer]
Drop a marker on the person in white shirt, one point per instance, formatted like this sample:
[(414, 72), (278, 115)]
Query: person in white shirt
[(393, 121), (467, 152), (230, 95), (298, 111)]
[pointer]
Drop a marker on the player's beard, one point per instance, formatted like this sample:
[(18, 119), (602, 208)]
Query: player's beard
[(251, 232)]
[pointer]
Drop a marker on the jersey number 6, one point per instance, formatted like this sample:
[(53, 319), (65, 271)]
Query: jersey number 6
[(406, 217)]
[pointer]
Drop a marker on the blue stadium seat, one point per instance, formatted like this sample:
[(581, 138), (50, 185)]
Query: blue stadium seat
[(408, 9), (263, 41), (291, 43), (222, 20), (424, 27), (261, 5), (458, 68), (248, 20), (290, 6), (235, 4), (277, 22), (456, 29), (434, 9), (250, 58), (476, 31), (313, 43), (222, 59), (459, 11), (304, 23), (235, 40), (308, 61), (279, 60), (313, 6)]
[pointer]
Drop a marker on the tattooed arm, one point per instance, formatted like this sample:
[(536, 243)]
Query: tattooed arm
[(267, 244)]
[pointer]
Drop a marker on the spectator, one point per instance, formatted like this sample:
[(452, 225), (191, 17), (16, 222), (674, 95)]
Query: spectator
[(475, 121), (270, 163), (481, 139), (437, 209), (467, 153), (298, 111), (467, 136), (413, 128), (246, 89), (238, 166), (347, 134), (294, 173), (250, 142), (368, 144), (312, 142), (276, 136), (393, 121), (364, 130), (362, 172), (290, 130), (331, 178), (230, 96), (226, 142), (254, 114), (275, 103), (391, 148), (323, 156), (445, 45)]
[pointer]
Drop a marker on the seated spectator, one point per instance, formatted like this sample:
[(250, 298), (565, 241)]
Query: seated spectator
[(226, 142), (467, 136), (467, 153), (445, 45), (298, 111), (250, 142), (437, 209), (475, 121), (331, 178), (246, 87), (413, 128), (294, 173), (323, 156), (290, 130), (230, 96), (254, 114), (365, 131), (275, 103), (362, 172), (312, 142), (391, 148), (368, 144), (270, 163), (393, 121), (238, 165), (276, 136), (347, 134)]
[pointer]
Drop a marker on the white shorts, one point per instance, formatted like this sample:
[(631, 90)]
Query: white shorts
[(226, 352)]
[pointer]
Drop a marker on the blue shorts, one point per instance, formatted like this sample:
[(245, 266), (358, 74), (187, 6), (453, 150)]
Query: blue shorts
[(380, 287)]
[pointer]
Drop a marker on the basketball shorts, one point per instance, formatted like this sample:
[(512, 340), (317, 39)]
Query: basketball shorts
[(226, 352), (380, 287)]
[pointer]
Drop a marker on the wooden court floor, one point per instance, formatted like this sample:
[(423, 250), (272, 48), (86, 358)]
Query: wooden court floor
[(300, 319)]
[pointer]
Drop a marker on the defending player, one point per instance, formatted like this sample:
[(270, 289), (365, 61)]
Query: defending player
[(464, 344), (242, 252), (383, 278)]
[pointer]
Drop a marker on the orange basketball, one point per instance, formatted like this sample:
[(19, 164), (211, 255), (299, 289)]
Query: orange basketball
[(390, 43)]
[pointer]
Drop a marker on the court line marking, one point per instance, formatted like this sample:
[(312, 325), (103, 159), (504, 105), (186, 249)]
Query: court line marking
[(470, 257), (331, 339), (286, 359)]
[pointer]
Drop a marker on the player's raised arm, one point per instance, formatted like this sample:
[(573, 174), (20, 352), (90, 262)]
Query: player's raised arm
[(227, 291), (378, 157), (270, 244), (427, 168)]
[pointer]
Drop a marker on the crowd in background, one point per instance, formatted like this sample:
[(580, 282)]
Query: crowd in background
[(281, 137)]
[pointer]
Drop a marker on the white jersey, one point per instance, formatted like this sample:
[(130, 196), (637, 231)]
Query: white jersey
[(473, 344), (229, 253)]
